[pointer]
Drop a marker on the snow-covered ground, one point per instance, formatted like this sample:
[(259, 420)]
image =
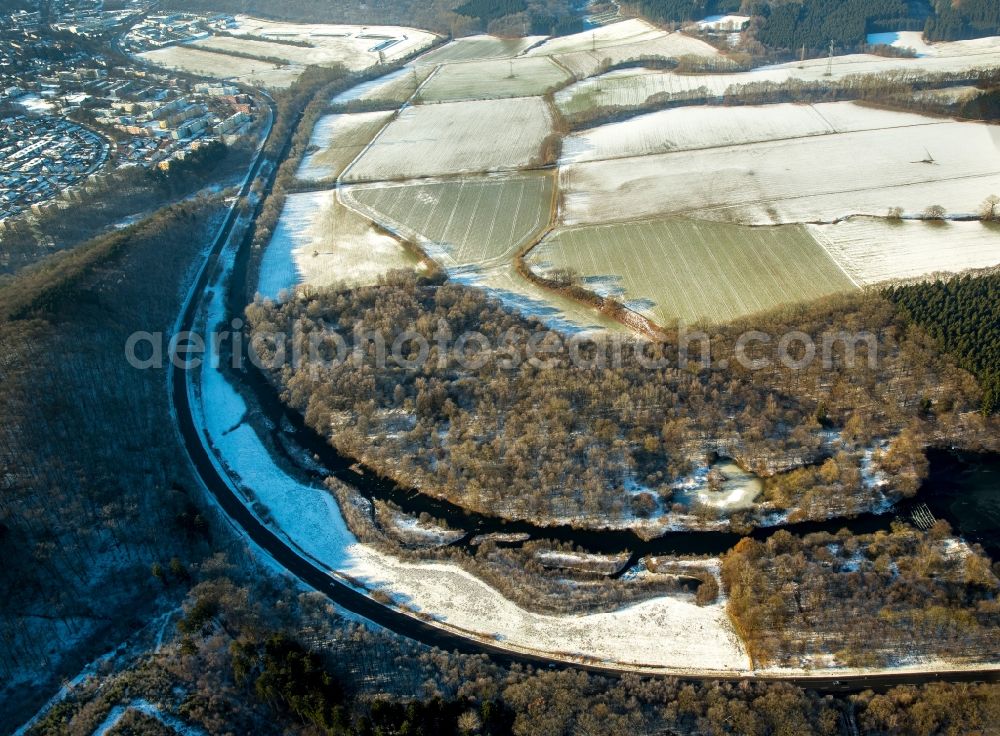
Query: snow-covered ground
[(477, 48), (456, 137), (606, 564), (692, 128), (586, 63), (821, 178), (411, 529), (664, 634), (192, 60), (724, 486), (912, 40), (723, 23), (319, 242), (36, 104), (278, 64), (633, 87), (373, 88), (875, 250), (356, 47), (494, 78), (336, 141), (153, 711)]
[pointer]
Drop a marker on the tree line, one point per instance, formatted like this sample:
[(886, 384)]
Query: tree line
[(449, 17), (254, 654), (566, 441)]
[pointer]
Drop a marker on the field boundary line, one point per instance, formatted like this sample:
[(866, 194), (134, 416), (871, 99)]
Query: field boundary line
[(390, 121), (572, 77), (826, 245), (745, 146)]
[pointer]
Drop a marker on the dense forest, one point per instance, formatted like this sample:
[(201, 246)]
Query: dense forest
[(963, 314), (98, 521), (568, 441), (867, 600), (680, 11), (91, 493), (966, 19), (253, 654)]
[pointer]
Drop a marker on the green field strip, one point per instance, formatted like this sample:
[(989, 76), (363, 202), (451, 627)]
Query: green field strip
[(697, 271)]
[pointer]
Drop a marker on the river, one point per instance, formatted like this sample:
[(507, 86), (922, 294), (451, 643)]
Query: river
[(962, 488)]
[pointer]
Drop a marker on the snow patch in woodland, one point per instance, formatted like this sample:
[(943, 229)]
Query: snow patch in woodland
[(723, 23), (912, 40)]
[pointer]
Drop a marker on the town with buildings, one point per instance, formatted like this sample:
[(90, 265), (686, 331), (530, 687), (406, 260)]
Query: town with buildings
[(68, 113)]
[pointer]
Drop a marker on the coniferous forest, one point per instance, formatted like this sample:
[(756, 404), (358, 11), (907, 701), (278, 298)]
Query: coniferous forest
[(962, 313)]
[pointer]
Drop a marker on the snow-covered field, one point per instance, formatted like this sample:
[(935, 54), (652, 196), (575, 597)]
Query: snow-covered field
[(874, 250), (356, 47), (814, 179), (282, 52), (476, 48), (319, 242), (465, 222), (666, 633), (222, 66), (679, 269), (665, 46), (613, 34), (398, 86), (456, 137), (633, 87), (336, 141), (691, 128), (481, 80)]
